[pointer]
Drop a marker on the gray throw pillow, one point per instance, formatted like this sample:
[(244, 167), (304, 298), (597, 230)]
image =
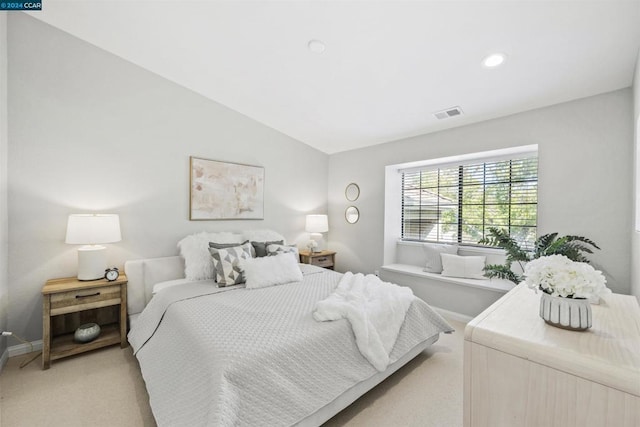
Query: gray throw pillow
[(225, 245), (261, 247)]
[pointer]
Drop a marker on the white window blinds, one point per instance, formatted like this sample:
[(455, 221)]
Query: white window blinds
[(458, 203)]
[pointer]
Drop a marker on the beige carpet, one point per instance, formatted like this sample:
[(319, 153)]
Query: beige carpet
[(105, 388)]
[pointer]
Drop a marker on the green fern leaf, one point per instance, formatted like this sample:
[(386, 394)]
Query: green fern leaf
[(501, 272)]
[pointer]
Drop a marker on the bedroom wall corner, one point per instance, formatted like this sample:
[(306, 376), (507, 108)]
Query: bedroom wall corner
[(4, 221), (91, 132), (635, 231), (589, 140)]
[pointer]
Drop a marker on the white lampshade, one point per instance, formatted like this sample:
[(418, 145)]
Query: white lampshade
[(92, 230), (317, 224)]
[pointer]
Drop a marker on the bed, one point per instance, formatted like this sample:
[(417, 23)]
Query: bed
[(237, 356)]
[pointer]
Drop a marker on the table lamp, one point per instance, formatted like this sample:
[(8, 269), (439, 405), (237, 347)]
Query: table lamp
[(316, 224), (92, 230)]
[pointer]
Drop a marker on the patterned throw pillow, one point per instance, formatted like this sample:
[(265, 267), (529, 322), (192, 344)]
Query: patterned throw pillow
[(226, 263), (216, 245), (282, 249)]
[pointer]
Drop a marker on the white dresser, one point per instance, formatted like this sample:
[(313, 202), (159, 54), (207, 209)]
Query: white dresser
[(519, 371)]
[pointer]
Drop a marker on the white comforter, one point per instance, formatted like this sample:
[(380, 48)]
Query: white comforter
[(375, 309), (239, 357)]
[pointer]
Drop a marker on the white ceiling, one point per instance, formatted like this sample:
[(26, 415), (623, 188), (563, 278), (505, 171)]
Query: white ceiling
[(388, 65)]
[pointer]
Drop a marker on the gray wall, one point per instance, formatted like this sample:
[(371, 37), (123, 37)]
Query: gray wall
[(91, 132), (4, 230), (585, 168), (635, 233)]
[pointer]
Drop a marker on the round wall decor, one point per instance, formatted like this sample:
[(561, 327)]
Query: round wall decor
[(352, 214), (352, 192)]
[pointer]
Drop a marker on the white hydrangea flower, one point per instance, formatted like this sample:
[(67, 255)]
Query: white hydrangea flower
[(557, 275)]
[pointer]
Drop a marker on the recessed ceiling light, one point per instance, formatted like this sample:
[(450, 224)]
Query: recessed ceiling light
[(316, 46), (493, 60)]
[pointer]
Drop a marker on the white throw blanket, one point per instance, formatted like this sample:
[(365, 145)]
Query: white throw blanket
[(375, 309)]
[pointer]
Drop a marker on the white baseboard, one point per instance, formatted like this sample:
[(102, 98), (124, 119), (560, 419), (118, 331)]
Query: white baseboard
[(22, 348), (458, 317), (17, 350)]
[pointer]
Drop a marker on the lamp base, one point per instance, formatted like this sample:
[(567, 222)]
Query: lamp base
[(92, 262)]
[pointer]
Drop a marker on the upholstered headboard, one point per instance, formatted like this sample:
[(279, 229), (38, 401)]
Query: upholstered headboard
[(144, 273)]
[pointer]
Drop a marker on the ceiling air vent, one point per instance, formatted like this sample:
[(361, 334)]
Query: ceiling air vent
[(449, 112)]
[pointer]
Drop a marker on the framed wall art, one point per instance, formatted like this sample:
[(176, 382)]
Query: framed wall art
[(222, 190)]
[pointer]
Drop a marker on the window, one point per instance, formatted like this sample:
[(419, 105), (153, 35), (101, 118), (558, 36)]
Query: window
[(458, 203)]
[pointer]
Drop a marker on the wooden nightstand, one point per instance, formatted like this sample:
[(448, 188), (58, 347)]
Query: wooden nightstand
[(326, 259), (68, 303)]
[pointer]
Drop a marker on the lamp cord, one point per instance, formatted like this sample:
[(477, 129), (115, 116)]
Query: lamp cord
[(19, 338)]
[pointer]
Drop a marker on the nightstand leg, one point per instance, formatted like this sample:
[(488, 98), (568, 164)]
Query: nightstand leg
[(46, 332), (123, 316)]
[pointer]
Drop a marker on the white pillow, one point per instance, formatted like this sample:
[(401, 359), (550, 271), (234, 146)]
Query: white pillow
[(194, 248), (271, 270), (433, 251), (282, 249), (468, 267)]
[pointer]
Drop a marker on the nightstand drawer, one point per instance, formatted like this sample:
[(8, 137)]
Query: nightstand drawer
[(322, 261), (84, 299)]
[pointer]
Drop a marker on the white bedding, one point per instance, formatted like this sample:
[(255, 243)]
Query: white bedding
[(234, 356)]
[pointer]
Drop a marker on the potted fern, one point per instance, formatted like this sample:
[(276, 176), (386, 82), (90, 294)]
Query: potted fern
[(572, 247), (559, 268)]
